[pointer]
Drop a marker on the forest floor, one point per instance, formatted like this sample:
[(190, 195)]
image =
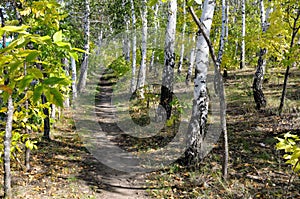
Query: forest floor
[(64, 168)]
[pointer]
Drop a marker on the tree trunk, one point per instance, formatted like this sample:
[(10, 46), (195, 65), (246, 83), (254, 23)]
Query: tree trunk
[(221, 92), (46, 120), (242, 61), (126, 41), (258, 94), (7, 143), (196, 130), (169, 62), (191, 65), (66, 66), (142, 71), (182, 40), (133, 18), (286, 76), (84, 67), (155, 39), (74, 77)]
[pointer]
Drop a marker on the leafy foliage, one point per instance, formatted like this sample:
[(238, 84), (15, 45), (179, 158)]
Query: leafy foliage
[(291, 146)]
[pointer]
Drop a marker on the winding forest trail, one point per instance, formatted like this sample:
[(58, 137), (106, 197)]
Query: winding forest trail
[(120, 185)]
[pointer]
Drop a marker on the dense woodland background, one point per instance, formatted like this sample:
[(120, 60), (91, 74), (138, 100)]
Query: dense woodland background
[(249, 49)]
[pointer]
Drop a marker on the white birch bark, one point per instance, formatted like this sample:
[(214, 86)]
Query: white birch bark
[(182, 40), (191, 65), (142, 71), (258, 94), (221, 91), (84, 67), (155, 40), (74, 78), (242, 61), (126, 41), (169, 62), (7, 148), (133, 18), (196, 132)]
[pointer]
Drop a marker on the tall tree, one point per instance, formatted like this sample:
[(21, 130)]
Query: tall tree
[(142, 70), (182, 40), (295, 26), (196, 130), (169, 60), (133, 66), (242, 61), (258, 94), (84, 66)]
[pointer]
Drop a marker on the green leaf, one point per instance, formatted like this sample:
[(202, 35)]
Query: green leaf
[(63, 44), (79, 50), (152, 2), (35, 72), (56, 80), (32, 56), (25, 82), (18, 29), (74, 55), (37, 93), (58, 98), (57, 37)]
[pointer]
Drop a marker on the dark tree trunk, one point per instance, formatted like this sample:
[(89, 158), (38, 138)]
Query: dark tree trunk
[(46, 120), (258, 94)]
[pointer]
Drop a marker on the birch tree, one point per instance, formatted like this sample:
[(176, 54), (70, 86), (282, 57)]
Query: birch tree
[(258, 94), (84, 66), (133, 18), (196, 130), (191, 64), (242, 61), (142, 71), (182, 40), (169, 59)]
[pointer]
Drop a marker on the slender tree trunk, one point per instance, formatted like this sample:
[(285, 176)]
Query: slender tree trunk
[(66, 67), (142, 71), (258, 94), (84, 66), (196, 130), (126, 41), (182, 40), (74, 78), (169, 63), (8, 130), (155, 39), (7, 143), (221, 92), (191, 65), (133, 18), (46, 120), (286, 76), (242, 61)]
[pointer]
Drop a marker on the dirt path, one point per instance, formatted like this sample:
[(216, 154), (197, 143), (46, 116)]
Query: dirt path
[(64, 168)]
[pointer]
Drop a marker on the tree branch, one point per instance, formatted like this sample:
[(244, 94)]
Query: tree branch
[(201, 28)]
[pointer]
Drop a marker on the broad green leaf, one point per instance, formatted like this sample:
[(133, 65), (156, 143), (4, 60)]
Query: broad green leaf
[(25, 82), (56, 80), (18, 29), (32, 56), (37, 93), (57, 37), (79, 50), (74, 55), (35, 72), (58, 98), (63, 44)]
